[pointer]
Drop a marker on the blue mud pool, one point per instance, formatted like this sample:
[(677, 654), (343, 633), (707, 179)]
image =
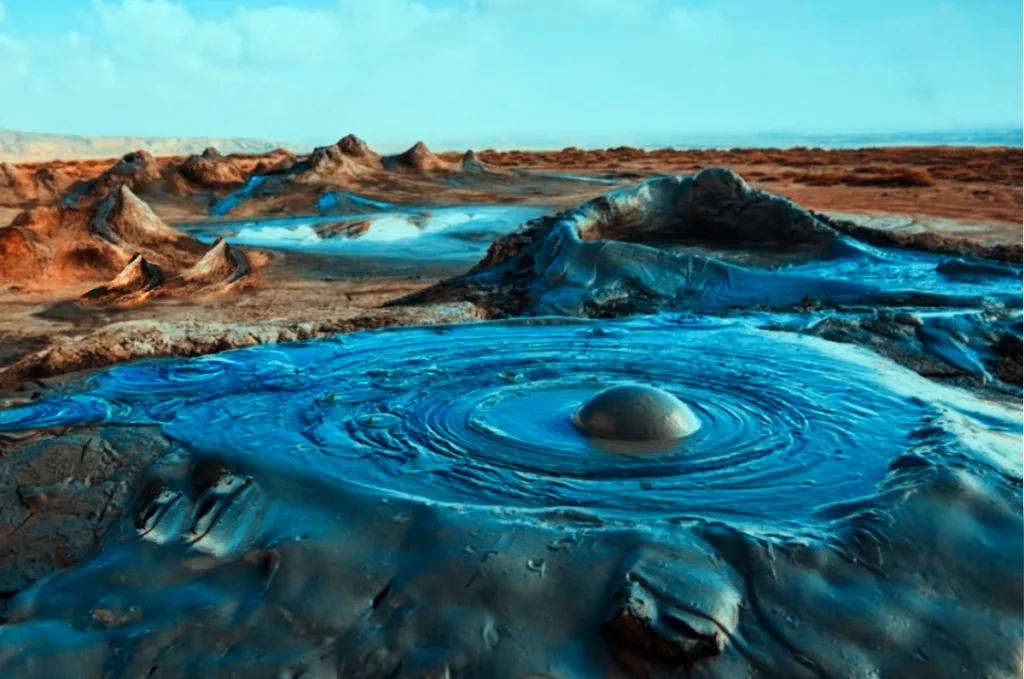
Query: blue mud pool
[(483, 414)]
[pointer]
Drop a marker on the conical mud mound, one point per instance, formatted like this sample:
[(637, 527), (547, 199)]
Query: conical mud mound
[(470, 163), (357, 149), (418, 159), (212, 170), (139, 170), (137, 277), (329, 162), (72, 244), (122, 217), (221, 265)]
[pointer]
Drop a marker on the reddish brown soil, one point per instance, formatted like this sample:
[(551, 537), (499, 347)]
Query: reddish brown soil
[(965, 183)]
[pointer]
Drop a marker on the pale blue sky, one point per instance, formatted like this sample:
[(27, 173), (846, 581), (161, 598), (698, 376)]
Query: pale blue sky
[(479, 71)]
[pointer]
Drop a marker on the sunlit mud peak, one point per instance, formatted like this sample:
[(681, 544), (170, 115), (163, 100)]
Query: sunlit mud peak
[(122, 217), (75, 244), (221, 264), (420, 160), (137, 278)]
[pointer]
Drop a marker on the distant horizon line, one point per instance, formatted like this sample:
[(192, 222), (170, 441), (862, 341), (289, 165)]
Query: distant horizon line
[(991, 135)]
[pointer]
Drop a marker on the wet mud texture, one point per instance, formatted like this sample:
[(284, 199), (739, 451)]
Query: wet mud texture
[(61, 490), (380, 506), (980, 351)]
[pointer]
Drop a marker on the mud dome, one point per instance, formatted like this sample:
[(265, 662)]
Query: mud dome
[(784, 424), (635, 417)]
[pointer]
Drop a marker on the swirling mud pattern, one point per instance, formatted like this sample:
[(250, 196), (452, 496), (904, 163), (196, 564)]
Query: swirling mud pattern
[(483, 414)]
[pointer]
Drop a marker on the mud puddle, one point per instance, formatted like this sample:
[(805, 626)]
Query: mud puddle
[(458, 232)]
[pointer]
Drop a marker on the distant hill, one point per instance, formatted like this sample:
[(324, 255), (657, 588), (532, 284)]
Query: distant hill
[(18, 146)]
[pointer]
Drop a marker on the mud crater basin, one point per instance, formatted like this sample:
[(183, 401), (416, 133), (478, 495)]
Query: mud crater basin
[(787, 423)]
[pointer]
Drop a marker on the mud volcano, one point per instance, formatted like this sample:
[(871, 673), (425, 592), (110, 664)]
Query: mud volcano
[(454, 501)]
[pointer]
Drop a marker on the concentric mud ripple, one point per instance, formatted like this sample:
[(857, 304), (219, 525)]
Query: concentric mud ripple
[(482, 414)]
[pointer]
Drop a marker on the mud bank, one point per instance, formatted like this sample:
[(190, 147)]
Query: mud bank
[(380, 505), (619, 247), (132, 340)]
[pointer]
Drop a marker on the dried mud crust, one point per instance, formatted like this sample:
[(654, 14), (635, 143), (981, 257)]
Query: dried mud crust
[(131, 340), (61, 490), (927, 241)]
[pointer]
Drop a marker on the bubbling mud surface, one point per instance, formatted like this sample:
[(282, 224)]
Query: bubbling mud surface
[(630, 417), (483, 414)]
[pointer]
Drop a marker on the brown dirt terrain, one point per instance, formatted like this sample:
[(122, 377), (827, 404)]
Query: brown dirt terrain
[(962, 183), (966, 183)]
